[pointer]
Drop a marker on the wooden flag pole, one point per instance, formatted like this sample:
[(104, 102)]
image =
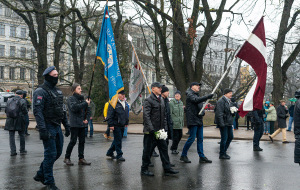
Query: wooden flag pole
[(218, 84)]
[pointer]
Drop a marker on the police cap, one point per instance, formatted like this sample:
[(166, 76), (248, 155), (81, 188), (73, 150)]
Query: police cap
[(48, 70)]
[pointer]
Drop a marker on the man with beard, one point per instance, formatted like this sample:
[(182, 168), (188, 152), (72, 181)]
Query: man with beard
[(49, 114)]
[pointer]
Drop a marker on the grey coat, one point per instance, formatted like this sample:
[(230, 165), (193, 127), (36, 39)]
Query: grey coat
[(17, 124)]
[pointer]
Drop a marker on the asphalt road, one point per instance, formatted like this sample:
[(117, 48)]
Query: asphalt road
[(271, 169)]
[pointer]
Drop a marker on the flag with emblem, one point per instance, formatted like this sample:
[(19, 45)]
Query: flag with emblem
[(136, 84), (106, 52), (253, 52)]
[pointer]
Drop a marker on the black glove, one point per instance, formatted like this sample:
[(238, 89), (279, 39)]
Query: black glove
[(67, 132), (209, 96), (44, 134), (287, 115)]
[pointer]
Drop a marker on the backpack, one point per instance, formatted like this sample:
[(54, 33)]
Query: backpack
[(12, 109)]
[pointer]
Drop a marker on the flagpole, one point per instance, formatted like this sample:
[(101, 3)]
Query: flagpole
[(218, 84), (140, 67)]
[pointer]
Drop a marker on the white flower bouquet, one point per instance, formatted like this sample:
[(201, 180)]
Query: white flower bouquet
[(233, 110), (161, 134)]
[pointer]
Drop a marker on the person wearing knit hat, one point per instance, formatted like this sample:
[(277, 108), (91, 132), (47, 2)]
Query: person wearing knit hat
[(177, 92), (224, 121)]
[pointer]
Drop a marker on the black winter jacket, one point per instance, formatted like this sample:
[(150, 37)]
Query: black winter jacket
[(117, 117), (17, 124), (77, 106), (281, 116), (168, 118), (223, 116), (194, 104), (297, 131), (154, 114)]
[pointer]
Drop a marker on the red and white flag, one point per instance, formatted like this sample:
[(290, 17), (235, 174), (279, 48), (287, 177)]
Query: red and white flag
[(254, 53)]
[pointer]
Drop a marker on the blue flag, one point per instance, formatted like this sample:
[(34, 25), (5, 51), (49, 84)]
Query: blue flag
[(106, 52)]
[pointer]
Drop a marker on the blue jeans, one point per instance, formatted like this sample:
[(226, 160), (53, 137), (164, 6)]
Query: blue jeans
[(52, 150), (117, 143), (91, 128), (226, 138), (291, 120), (195, 132), (125, 131), (267, 127)]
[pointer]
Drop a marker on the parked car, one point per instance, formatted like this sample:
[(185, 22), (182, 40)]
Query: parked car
[(209, 106), (4, 97)]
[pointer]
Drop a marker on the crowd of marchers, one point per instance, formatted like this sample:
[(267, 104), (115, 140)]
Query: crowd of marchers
[(159, 116)]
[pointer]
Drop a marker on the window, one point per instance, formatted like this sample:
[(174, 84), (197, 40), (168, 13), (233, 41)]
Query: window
[(32, 54), (2, 72), (2, 50), (31, 74), (2, 30), (7, 12), (23, 32), (61, 76), (23, 52), (22, 73), (1, 10), (12, 51), (14, 15), (13, 30), (12, 73)]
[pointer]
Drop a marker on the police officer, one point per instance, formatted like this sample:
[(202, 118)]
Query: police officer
[(49, 113), (297, 127)]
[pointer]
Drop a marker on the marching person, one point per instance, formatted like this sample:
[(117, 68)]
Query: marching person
[(297, 127), (258, 125), (194, 104), (154, 120), (79, 113), (282, 114), (49, 114), (93, 109), (177, 115), (16, 110), (291, 119), (107, 132), (28, 105), (165, 95), (224, 121), (117, 120)]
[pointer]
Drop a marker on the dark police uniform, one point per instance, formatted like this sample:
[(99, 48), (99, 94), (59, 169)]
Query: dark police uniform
[(49, 113)]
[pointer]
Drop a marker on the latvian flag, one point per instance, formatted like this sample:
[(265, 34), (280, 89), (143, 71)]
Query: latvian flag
[(254, 53)]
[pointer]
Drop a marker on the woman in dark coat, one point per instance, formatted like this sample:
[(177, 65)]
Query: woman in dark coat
[(282, 114), (78, 120)]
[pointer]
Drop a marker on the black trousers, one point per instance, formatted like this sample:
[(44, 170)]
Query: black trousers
[(148, 141), (80, 133), (258, 133), (177, 135), (249, 121)]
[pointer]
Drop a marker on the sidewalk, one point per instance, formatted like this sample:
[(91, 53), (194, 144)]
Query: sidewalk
[(209, 132)]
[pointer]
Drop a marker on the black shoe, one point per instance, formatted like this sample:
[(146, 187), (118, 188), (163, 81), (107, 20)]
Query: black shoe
[(91, 136), (112, 156), (27, 134), (227, 155), (185, 159), (52, 187), (13, 154), (39, 178), (172, 165), (147, 173), (204, 160), (271, 138), (23, 152), (124, 136), (151, 165), (171, 171), (121, 159), (174, 152), (257, 148), (154, 154), (224, 157), (285, 142)]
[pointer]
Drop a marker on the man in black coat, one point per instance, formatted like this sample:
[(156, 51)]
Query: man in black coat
[(17, 123), (282, 114), (297, 127), (49, 114), (154, 116), (117, 119), (194, 104), (224, 121), (258, 123)]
